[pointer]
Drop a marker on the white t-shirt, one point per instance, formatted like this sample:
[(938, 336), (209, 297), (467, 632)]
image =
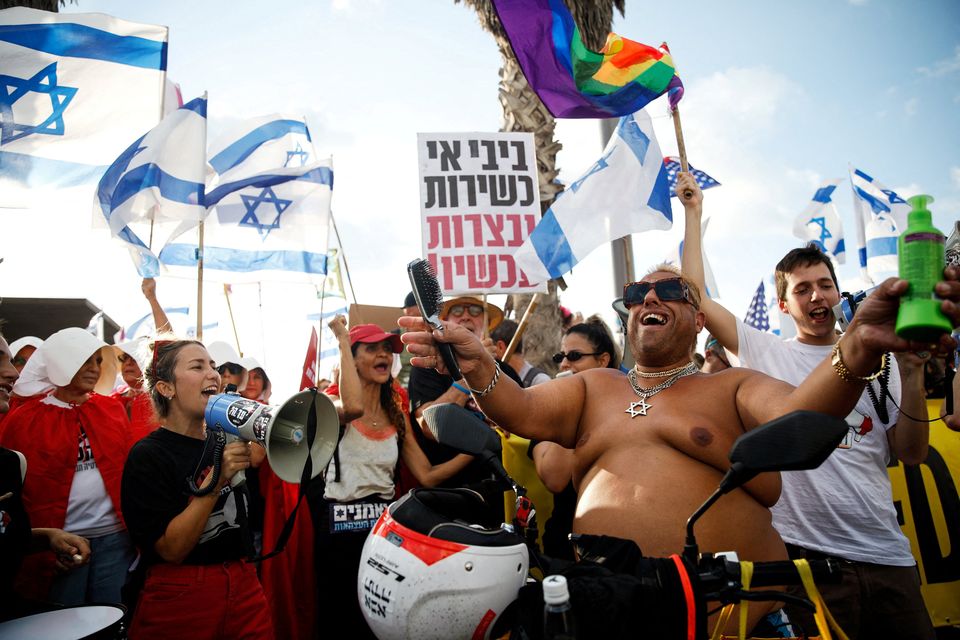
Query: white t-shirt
[(90, 511), (845, 507), (368, 459)]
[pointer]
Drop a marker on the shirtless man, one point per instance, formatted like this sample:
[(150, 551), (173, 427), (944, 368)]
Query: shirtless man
[(643, 465)]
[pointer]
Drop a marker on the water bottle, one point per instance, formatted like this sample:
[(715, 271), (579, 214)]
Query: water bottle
[(557, 611)]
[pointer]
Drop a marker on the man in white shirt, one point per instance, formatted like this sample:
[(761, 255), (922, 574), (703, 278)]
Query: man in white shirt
[(844, 508)]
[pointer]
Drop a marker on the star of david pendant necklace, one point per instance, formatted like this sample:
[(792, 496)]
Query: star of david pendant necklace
[(640, 407)]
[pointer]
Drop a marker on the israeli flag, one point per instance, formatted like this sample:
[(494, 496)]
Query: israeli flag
[(881, 216), (271, 201), (625, 191), (184, 323), (819, 223), (159, 177), (75, 89), (712, 292)]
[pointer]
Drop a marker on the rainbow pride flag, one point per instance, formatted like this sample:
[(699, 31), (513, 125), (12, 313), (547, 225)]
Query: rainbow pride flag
[(575, 82)]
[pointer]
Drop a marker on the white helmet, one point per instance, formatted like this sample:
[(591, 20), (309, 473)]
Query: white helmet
[(427, 573)]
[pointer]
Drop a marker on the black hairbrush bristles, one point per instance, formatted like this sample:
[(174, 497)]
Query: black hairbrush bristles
[(429, 296), (426, 290)]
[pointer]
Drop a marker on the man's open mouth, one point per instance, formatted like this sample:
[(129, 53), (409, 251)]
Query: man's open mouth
[(821, 313), (653, 319)]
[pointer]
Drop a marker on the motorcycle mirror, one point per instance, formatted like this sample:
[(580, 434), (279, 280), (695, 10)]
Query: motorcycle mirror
[(461, 429), (454, 426), (796, 441)]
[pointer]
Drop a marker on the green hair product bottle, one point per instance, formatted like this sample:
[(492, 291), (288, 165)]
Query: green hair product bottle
[(920, 251)]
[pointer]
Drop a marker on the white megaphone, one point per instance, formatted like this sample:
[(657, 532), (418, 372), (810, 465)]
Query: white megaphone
[(282, 430)]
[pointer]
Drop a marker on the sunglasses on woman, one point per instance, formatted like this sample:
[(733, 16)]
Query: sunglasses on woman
[(668, 290), (474, 310), (572, 356)]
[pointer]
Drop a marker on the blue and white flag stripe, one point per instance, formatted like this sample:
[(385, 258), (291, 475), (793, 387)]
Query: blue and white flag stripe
[(82, 41), (237, 152), (159, 177), (244, 261), (77, 88), (819, 222), (320, 175), (625, 191), (880, 215)]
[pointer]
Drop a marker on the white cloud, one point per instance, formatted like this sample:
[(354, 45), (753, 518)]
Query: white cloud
[(943, 67), (955, 176)]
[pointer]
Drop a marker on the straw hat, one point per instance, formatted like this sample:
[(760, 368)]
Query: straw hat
[(494, 313)]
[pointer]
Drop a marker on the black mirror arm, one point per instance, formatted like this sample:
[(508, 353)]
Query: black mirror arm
[(735, 477), (494, 461)]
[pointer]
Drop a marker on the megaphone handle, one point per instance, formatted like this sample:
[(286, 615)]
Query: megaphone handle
[(240, 476)]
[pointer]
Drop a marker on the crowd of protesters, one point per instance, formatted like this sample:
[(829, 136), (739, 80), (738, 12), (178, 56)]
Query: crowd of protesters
[(99, 441)]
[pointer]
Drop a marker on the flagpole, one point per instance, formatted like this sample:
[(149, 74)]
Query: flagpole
[(200, 285), (346, 266), (534, 301), (316, 356), (236, 336), (682, 150)]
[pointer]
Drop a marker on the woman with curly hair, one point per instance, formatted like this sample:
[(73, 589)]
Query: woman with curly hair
[(361, 479)]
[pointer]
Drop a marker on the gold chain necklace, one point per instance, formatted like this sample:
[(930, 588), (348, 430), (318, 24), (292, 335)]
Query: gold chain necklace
[(660, 374), (640, 407)]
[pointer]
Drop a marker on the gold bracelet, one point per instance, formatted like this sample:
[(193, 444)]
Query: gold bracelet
[(489, 387), (840, 367)]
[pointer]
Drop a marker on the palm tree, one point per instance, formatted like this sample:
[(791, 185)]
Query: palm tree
[(523, 111), (46, 5)]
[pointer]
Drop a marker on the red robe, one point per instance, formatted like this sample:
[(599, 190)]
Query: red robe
[(48, 436), (139, 407), (288, 579)]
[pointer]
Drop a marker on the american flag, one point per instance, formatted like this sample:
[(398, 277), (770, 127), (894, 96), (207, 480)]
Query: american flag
[(672, 165), (757, 312)]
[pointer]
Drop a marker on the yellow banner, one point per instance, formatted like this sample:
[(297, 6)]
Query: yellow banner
[(927, 498)]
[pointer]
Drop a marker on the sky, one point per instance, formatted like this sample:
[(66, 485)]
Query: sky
[(779, 97)]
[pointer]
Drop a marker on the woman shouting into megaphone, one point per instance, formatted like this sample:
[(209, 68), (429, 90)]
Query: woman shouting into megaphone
[(193, 547)]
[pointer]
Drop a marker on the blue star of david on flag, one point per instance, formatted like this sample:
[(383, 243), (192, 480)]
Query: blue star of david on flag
[(298, 152), (824, 232), (672, 165), (251, 203), (598, 166), (43, 82)]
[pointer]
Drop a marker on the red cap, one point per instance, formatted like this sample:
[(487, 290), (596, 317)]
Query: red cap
[(368, 333)]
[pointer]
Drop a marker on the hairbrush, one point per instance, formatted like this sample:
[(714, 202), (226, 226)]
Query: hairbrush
[(429, 296)]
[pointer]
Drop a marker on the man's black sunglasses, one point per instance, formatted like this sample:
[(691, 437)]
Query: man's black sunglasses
[(668, 290), (572, 356)]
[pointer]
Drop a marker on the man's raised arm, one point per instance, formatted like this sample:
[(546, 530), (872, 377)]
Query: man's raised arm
[(834, 386), (549, 411), (720, 322)]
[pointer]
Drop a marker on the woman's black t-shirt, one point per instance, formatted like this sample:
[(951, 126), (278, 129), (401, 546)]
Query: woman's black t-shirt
[(154, 491)]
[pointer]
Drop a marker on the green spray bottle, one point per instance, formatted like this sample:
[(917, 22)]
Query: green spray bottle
[(920, 250)]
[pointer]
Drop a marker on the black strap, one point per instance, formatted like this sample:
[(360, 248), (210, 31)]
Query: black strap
[(305, 477), (531, 374), (948, 381), (880, 405)]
